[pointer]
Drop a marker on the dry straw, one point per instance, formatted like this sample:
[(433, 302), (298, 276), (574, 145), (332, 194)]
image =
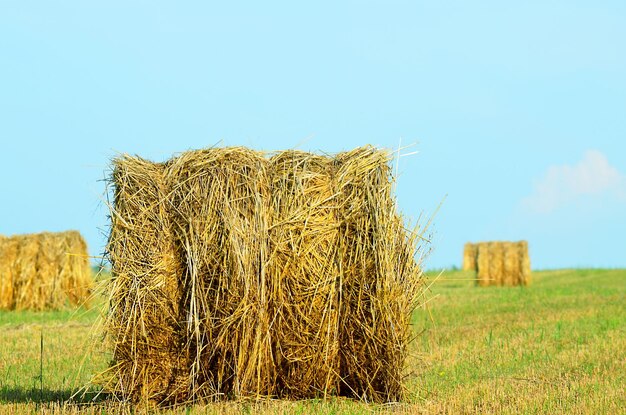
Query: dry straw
[(44, 271), (524, 276), (8, 253), (220, 225), (502, 263), (380, 279), (470, 251), (145, 293), (304, 239), (237, 275)]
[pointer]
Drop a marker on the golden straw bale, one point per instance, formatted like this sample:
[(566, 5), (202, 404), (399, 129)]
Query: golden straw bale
[(235, 275), (503, 263), (49, 286), (303, 274), (220, 220), (144, 292), (505, 247), (483, 259), (510, 263), (496, 263), (378, 279), (32, 274), (360, 178), (470, 251), (73, 268), (524, 263), (8, 255), (26, 281)]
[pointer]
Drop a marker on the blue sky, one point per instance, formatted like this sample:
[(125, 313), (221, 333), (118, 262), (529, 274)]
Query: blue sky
[(517, 109)]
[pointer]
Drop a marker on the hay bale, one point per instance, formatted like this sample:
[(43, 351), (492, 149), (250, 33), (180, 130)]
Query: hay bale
[(303, 271), (524, 263), (74, 271), (35, 274), (510, 263), (496, 263), (470, 251), (26, 281), (144, 292), (220, 220), (503, 263), (8, 255), (47, 283), (378, 274), (239, 276), (483, 259)]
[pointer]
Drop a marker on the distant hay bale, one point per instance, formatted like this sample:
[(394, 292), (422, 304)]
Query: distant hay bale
[(470, 251), (524, 263), (27, 283), (236, 275), (74, 270), (510, 264), (8, 254), (46, 284), (44, 271), (496, 262), (483, 259), (502, 263)]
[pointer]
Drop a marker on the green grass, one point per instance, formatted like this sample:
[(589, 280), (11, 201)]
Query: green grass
[(558, 346)]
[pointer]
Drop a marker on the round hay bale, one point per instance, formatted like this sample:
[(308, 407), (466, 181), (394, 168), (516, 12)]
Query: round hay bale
[(238, 276), (469, 257), (8, 256), (302, 270), (73, 267)]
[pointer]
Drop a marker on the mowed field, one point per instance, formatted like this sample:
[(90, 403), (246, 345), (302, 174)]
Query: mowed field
[(558, 346)]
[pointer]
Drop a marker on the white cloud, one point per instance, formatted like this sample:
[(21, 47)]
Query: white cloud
[(592, 177)]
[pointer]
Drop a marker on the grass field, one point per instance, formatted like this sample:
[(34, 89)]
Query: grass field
[(558, 346)]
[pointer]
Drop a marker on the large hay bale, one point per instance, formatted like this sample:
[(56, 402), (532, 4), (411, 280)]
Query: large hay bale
[(378, 279), (220, 220), (145, 293), (303, 269), (502, 263), (36, 274), (239, 276), (470, 251)]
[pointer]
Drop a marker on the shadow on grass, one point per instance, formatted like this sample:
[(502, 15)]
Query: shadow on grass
[(36, 395)]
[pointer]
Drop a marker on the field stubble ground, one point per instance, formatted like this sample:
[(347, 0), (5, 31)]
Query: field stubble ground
[(558, 346)]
